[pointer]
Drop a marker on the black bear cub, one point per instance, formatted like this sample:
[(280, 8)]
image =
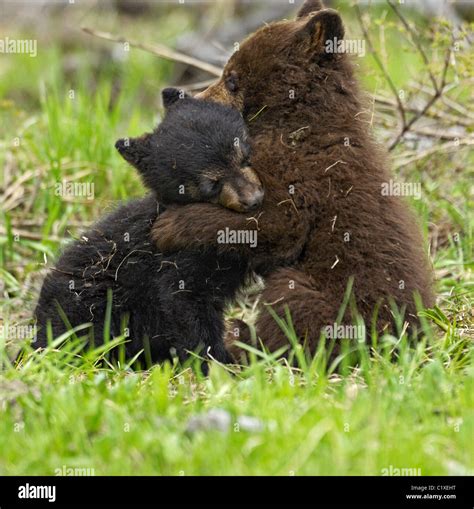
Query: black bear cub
[(163, 304)]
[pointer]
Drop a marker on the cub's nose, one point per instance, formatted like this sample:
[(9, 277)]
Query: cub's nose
[(253, 201)]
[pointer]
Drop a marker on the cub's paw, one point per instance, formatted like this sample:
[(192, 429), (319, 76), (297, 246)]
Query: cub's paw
[(167, 232)]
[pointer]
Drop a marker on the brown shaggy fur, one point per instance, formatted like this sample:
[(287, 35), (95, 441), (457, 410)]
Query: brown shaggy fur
[(324, 219)]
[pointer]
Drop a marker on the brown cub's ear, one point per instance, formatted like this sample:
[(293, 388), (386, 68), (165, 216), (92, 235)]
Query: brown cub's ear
[(310, 6), (133, 150), (171, 95), (322, 26)]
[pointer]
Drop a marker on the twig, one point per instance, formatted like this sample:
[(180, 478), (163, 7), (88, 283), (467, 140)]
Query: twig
[(416, 42), (401, 108), (433, 113), (200, 85), (457, 107), (439, 88), (447, 101), (432, 133), (438, 93), (30, 235), (444, 147), (159, 50)]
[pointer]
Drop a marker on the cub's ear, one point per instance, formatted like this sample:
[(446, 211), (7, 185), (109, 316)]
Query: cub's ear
[(171, 95), (134, 150), (310, 6), (318, 28)]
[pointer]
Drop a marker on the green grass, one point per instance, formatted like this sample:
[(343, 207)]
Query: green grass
[(414, 413), (398, 405)]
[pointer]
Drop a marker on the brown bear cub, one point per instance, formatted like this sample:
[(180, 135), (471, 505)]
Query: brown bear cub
[(325, 223), (198, 153)]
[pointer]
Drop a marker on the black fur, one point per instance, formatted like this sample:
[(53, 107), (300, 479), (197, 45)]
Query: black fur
[(192, 153), (173, 301)]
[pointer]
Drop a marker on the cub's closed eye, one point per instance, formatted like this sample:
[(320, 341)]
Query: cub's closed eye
[(215, 185), (211, 186)]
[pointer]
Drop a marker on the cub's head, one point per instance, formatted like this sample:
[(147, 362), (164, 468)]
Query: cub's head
[(199, 153), (278, 57)]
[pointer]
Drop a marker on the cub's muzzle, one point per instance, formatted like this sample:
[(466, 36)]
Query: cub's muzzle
[(242, 193)]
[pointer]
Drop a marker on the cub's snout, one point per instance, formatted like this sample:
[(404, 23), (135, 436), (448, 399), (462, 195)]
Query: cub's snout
[(242, 192)]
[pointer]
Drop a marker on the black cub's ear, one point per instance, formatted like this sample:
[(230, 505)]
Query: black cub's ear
[(318, 28), (133, 150), (171, 95), (310, 6)]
